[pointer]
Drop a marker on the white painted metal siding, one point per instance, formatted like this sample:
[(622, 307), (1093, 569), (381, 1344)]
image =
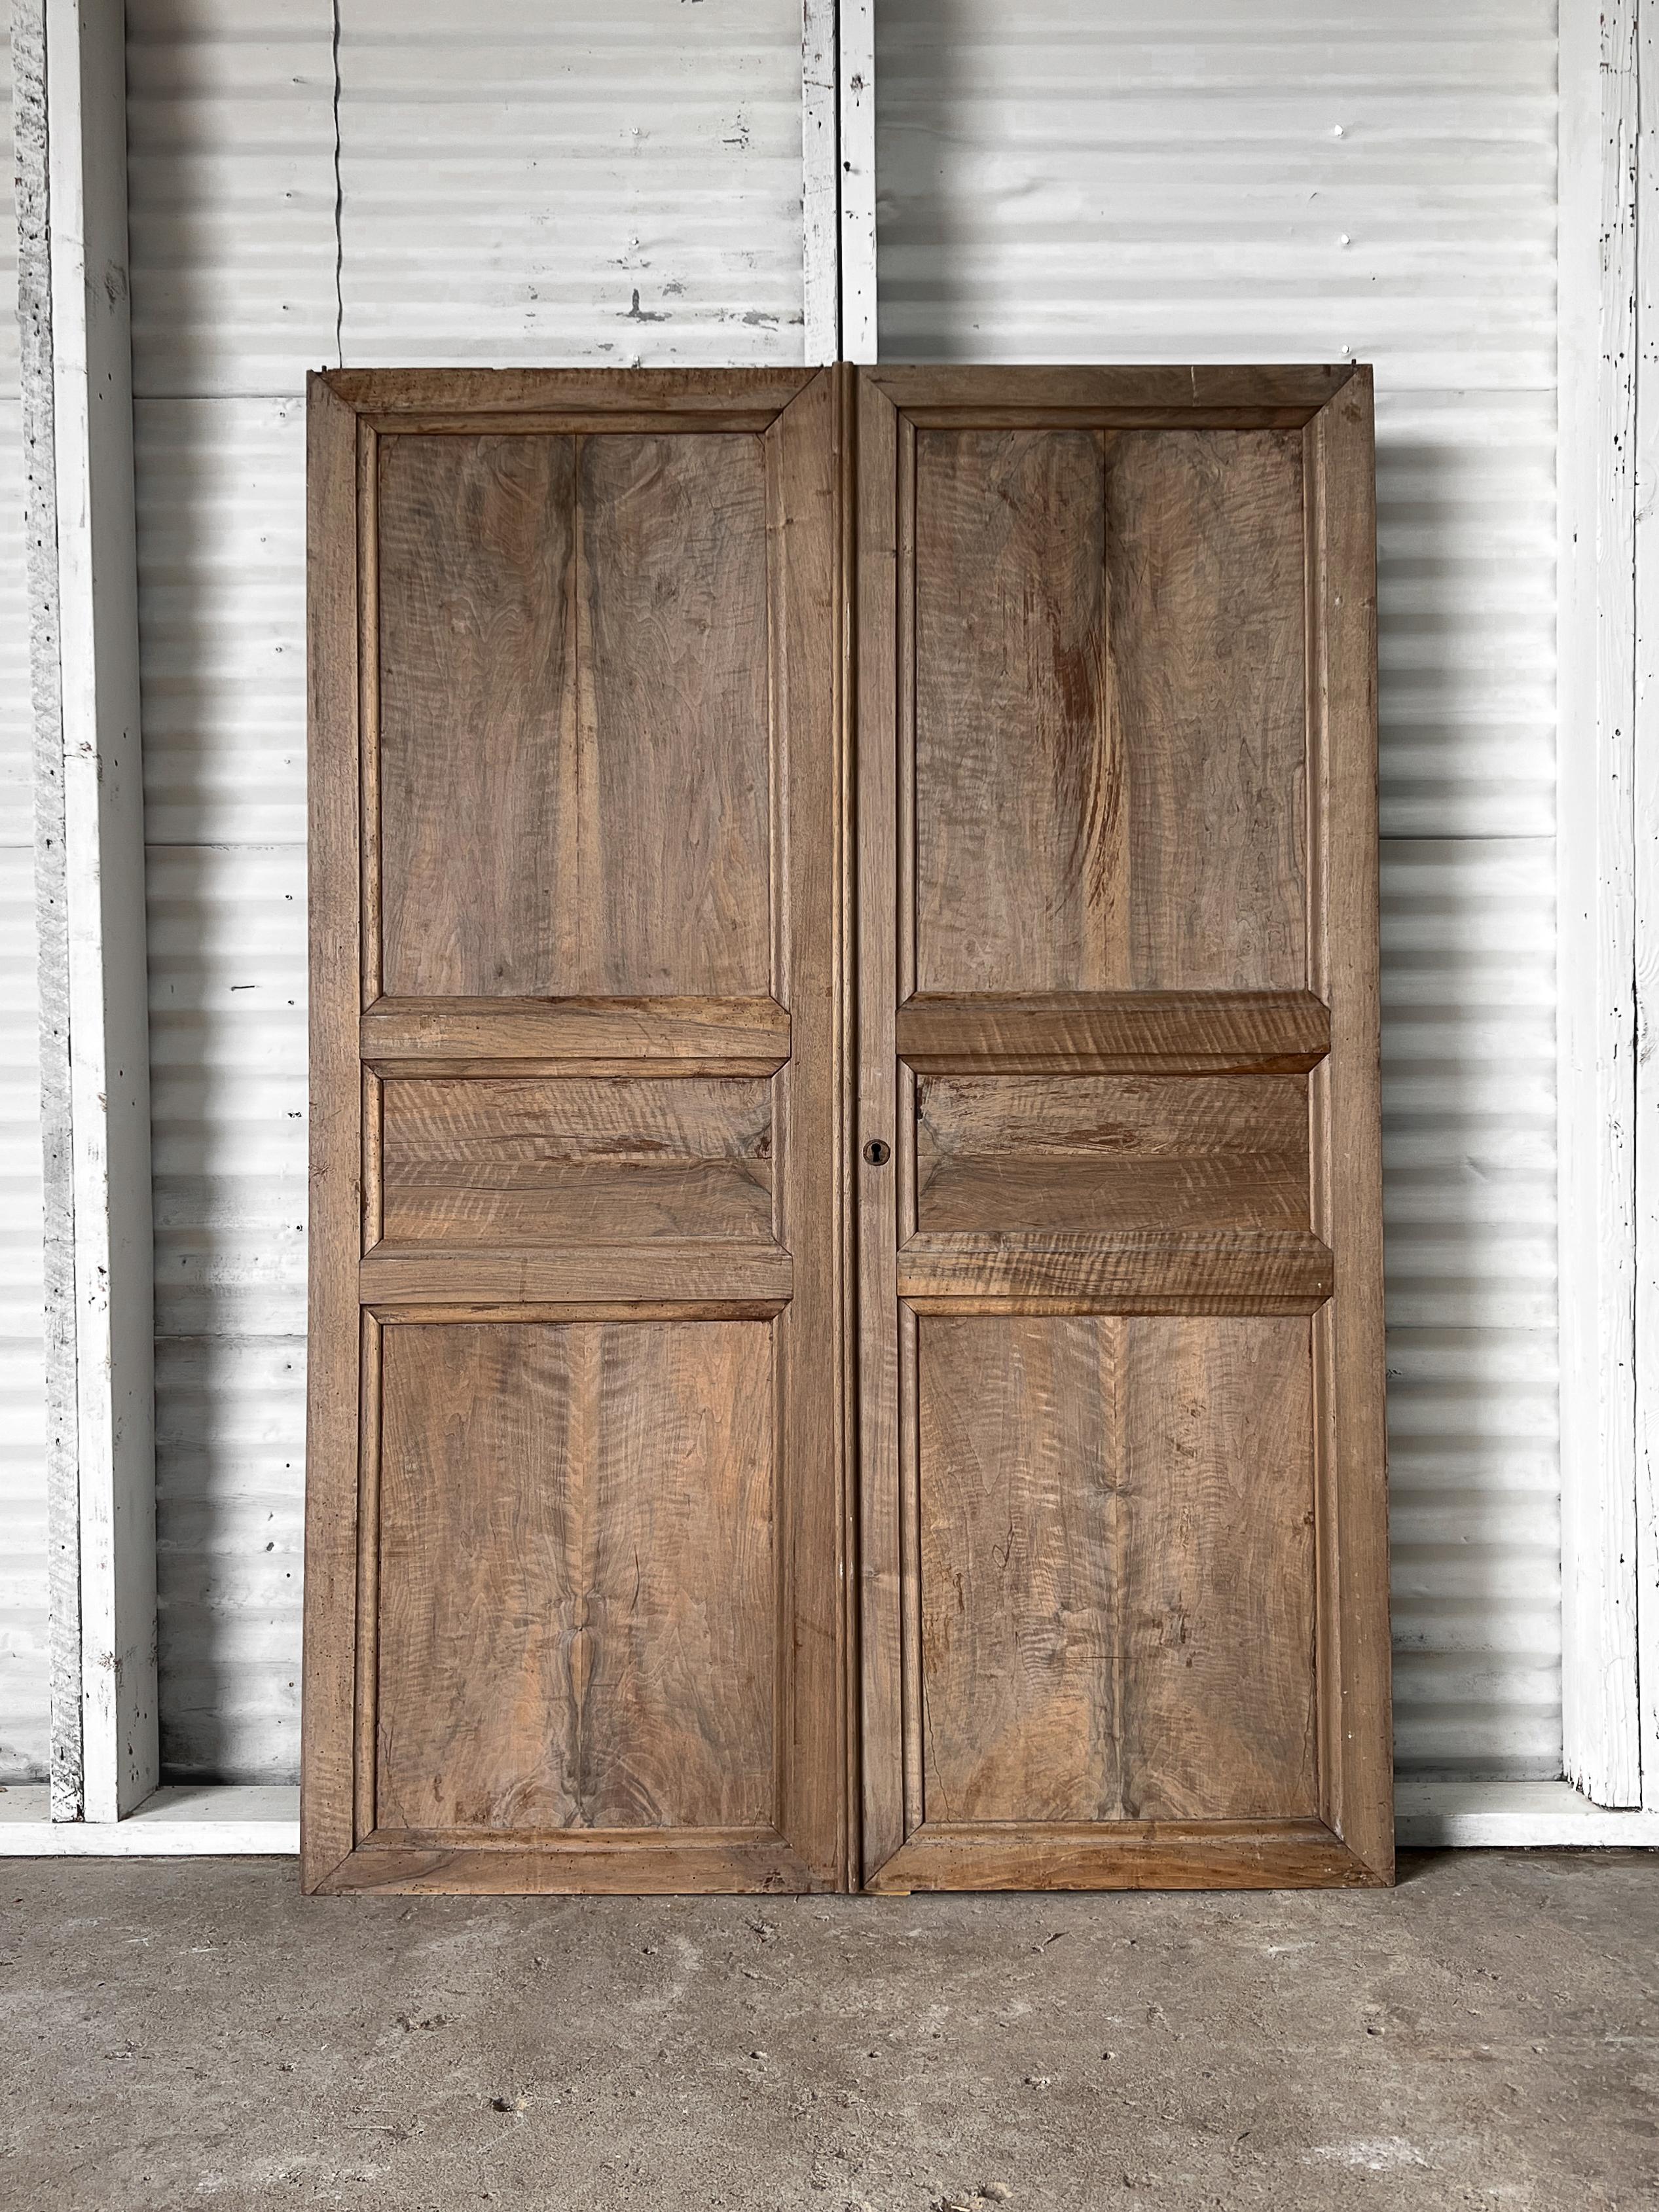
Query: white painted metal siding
[(1095, 180), (605, 184), (23, 1703)]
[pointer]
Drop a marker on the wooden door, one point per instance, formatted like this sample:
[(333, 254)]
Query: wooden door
[(575, 1604), (1124, 1569), (670, 1141)]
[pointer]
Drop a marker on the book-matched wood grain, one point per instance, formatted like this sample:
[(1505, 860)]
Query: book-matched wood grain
[(579, 1483), (1107, 1533), (1110, 740), (573, 730), (577, 1588), (1117, 1572)]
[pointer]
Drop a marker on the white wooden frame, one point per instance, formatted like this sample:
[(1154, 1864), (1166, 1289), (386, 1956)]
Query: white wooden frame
[(1606, 908), (838, 180), (69, 61), (69, 66)]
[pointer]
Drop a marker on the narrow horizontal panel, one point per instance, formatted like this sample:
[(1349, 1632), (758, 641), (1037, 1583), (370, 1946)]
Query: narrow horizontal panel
[(566, 1160), (1271, 1271), (592, 1036), (569, 422), (485, 1311), (1116, 1032), (669, 1270), (1106, 1153), (1124, 1855), (1189, 397), (494, 393), (633, 1864)]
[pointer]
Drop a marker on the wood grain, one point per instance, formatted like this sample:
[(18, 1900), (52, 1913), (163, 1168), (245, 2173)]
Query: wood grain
[(1126, 1271), (589, 627), (577, 1617), (1114, 1032), (1018, 1569), (880, 1665), (1351, 1440), (505, 395), (1116, 1565), (1020, 878), (629, 1863), (1024, 1153), (574, 1161), (1216, 1568), (1126, 1855), (1204, 547), (476, 692), (717, 1036), (1110, 727), (597, 607), (663, 827), (806, 457), (1173, 397), (689, 1270), (326, 1794)]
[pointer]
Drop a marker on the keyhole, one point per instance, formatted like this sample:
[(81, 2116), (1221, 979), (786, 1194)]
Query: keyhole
[(877, 1153)]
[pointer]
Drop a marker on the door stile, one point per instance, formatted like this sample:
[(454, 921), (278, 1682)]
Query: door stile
[(883, 1551), (1352, 1663), (815, 1648), (328, 1793)]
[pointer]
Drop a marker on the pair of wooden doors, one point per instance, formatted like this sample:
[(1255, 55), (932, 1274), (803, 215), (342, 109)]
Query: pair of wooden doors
[(846, 1294)]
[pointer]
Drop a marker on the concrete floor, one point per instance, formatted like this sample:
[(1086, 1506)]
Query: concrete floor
[(175, 2034)]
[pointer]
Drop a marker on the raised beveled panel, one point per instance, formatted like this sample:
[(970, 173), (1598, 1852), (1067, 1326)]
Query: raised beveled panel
[(1111, 1153), (1117, 1568), (1111, 750), (578, 1597), (574, 743), (575, 1160)]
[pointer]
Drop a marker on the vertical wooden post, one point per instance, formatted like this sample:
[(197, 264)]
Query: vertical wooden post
[(1595, 827), (856, 44), (820, 196), (1645, 886), (70, 73)]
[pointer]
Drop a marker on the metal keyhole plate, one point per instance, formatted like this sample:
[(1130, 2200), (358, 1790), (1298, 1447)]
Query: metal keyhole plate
[(877, 1153)]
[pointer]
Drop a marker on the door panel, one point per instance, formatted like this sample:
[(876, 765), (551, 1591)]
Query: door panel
[(1012, 1152), (1123, 1601), (1109, 710), (578, 1489), (1117, 1567), (575, 1159), (577, 1579)]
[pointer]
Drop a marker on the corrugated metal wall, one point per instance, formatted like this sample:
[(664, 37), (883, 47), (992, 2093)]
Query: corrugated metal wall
[(23, 1701), (1098, 179), (603, 183), (1087, 181)]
